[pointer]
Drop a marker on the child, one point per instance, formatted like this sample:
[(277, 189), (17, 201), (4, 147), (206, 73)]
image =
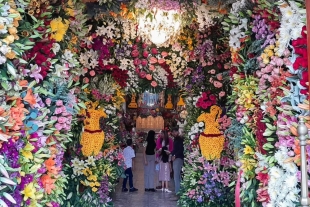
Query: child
[(129, 154), (165, 169)]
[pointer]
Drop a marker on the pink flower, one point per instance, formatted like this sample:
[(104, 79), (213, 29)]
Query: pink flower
[(149, 76), (137, 62), (222, 93), (145, 54), (85, 80), (92, 73), (135, 53), (62, 120), (212, 97), (59, 103), (162, 60), (144, 62), (153, 60), (164, 54), (154, 84), (144, 45), (212, 71), (152, 67), (48, 101), (142, 74), (154, 51), (135, 47), (217, 84), (58, 126), (58, 111)]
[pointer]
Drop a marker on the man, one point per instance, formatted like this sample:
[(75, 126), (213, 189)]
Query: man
[(129, 154), (178, 159)]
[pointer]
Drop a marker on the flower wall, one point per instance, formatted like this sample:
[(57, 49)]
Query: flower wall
[(269, 92)]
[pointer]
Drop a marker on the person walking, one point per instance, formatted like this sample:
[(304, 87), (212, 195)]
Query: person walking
[(178, 159), (149, 162), (128, 154)]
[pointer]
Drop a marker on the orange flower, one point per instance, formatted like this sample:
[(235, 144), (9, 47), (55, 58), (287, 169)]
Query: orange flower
[(23, 83), (30, 98), (48, 183), (50, 166)]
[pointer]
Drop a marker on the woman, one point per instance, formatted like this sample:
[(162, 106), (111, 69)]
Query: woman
[(165, 168), (149, 161)]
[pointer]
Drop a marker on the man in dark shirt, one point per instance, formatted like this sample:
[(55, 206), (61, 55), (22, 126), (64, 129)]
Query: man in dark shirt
[(178, 159)]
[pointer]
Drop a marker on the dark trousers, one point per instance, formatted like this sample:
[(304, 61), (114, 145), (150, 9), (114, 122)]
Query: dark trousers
[(128, 173)]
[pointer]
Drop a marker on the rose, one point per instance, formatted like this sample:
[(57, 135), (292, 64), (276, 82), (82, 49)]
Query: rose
[(154, 51), (58, 110), (145, 54), (62, 120), (137, 61), (58, 126), (144, 62), (154, 84), (152, 67), (149, 76), (161, 61), (164, 54), (144, 45), (142, 74), (135, 47), (59, 103), (135, 53), (48, 101)]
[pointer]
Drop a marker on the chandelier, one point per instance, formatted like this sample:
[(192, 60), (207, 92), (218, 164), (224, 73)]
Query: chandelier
[(159, 21)]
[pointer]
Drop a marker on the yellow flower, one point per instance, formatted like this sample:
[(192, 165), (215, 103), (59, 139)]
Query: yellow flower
[(26, 152), (59, 28), (91, 184), (97, 184), (70, 10), (29, 191), (94, 189), (92, 177), (248, 150), (270, 53)]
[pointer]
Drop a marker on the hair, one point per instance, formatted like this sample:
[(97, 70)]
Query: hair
[(166, 137), (164, 155), (129, 142), (175, 129), (150, 136)]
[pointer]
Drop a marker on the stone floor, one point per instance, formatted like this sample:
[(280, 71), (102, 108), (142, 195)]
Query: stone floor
[(142, 198)]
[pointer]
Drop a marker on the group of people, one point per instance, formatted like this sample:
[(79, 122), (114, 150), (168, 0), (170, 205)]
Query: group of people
[(161, 156)]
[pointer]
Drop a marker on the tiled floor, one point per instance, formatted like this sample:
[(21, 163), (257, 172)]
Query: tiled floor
[(142, 198)]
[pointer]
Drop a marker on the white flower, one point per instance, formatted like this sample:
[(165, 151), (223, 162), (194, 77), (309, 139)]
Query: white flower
[(193, 137), (2, 59), (291, 181), (91, 161), (201, 124), (59, 69), (55, 48)]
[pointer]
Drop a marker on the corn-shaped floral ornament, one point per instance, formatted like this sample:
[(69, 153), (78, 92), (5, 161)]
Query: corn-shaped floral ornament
[(211, 140), (92, 136)]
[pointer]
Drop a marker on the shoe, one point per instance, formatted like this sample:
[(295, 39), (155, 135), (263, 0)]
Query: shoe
[(163, 189), (124, 190), (146, 189), (174, 198), (133, 189), (167, 190), (152, 190)]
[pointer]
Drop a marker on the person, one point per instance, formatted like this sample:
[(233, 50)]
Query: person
[(178, 159), (149, 161), (128, 154), (159, 144), (165, 168)]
